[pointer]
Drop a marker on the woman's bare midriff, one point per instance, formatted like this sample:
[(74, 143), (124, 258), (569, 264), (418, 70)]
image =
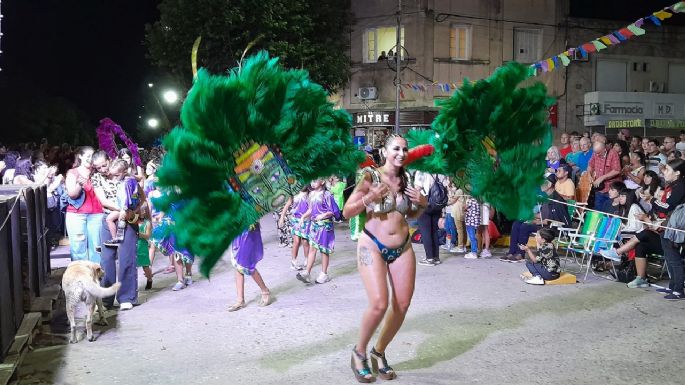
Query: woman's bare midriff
[(390, 229)]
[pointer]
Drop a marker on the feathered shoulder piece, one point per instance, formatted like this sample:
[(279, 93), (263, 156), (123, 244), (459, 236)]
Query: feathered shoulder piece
[(248, 141), (493, 134)]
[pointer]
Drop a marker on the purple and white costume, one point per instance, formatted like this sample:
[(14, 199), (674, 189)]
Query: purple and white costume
[(300, 205), (321, 234), (247, 249)]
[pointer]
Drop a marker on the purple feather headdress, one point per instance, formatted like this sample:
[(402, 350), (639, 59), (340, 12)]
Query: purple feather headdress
[(106, 131)]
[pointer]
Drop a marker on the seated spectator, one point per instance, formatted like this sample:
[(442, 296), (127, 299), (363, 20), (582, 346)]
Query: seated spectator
[(610, 206), (668, 146), (634, 173), (23, 172), (654, 158), (10, 160), (553, 159), (564, 185), (649, 188), (680, 146), (648, 241), (545, 265), (581, 160), (629, 207), (553, 211), (636, 144), (565, 146), (672, 155), (382, 56), (624, 135)]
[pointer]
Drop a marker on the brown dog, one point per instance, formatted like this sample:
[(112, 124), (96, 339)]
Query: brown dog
[(81, 283)]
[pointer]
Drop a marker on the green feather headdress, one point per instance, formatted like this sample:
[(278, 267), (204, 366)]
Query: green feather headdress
[(258, 109)]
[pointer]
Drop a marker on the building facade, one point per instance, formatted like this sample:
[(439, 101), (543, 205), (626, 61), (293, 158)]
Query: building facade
[(444, 42)]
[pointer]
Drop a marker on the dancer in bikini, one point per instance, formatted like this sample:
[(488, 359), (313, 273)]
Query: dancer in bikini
[(384, 252)]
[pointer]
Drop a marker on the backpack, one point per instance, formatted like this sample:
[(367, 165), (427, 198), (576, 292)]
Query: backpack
[(437, 196)]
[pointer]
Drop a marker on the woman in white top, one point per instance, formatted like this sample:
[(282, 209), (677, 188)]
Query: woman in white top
[(630, 208)]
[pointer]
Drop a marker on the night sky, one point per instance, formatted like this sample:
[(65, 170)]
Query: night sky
[(89, 51)]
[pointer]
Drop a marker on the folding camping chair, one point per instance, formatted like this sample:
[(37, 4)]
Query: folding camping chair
[(586, 226), (605, 237)]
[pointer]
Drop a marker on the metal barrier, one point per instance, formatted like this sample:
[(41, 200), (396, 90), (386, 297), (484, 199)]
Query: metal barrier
[(24, 255)]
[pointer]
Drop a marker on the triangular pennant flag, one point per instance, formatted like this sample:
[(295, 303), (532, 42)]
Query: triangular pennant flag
[(532, 71), (588, 47), (662, 14), (654, 20), (626, 32), (636, 30), (447, 87), (639, 22), (619, 36), (582, 52), (538, 66), (545, 66), (556, 61), (679, 8), (606, 40), (564, 59), (598, 45), (550, 64), (613, 39)]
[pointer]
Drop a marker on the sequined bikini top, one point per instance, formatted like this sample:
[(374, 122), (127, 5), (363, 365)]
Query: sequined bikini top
[(393, 202)]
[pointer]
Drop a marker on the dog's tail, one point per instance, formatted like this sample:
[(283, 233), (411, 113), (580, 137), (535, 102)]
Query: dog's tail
[(98, 291)]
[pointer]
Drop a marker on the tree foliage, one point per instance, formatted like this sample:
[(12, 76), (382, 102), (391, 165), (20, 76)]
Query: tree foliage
[(309, 34)]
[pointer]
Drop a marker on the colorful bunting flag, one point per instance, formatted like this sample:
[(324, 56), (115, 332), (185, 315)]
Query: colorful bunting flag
[(606, 40), (550, 64), (636, 30), (626, 32), (654, 20), (661, 15), (598, 45), (620, 37), (564, 59), (588, 47), (678, 8)]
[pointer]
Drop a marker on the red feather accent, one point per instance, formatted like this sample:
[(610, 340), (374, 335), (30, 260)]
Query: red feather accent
[(369, 162), (419, 152)]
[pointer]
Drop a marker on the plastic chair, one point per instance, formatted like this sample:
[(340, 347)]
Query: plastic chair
[(588, 225)]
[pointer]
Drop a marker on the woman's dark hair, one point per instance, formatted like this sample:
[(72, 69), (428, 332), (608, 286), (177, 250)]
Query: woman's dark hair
[(640, 157), (624, 146), (631, 198), (125, 151), (547, 234), (678, 165), (404, 181), (81, 150), (654, 184)]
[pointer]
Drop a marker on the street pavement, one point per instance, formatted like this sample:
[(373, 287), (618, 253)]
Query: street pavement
[(470, 322)]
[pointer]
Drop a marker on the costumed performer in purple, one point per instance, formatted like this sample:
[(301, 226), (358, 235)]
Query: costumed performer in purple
[(246, 251)]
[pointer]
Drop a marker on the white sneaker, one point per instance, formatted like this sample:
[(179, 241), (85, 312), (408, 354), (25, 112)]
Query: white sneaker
[(295, 266), (188, 280), (304, 277), (323, 278), (444, 247), (126, 306), (485, 253), (471, 255), (459, 249), (179, 286), (536, 280)]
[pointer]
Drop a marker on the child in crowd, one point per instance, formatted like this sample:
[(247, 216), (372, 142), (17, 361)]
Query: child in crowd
[(472, 219), (296, 207), (322, 210), (246, 251), (128, 200), (143, 247), (544, 266), (458, 216), (484, 230)]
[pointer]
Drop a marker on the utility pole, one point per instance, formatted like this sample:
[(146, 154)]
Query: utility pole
[(398, 61)]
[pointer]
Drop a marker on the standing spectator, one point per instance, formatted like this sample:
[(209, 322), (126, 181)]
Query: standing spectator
[(84, 218), (669, 145), (431, 185), (565, 147), (635, 171), (636, 144), (645, 146), (133, 169), (604, 167), (484, 230), (564, 185), (450, 224), (473, 221), (680, 146), (654, 159), (458, 215), (624, 135), (621, 148)]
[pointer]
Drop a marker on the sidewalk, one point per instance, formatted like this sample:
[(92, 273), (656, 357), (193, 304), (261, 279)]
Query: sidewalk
[(471, 321)]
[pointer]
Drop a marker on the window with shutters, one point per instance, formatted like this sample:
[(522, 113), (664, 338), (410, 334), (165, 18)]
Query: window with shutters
[(460, 42), (527, 45)]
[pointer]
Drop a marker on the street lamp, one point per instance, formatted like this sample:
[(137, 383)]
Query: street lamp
[(150, 85), (170, 96), (153, 123)]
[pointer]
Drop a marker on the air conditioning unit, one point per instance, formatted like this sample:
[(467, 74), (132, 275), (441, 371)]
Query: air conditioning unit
[(368, 93)]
